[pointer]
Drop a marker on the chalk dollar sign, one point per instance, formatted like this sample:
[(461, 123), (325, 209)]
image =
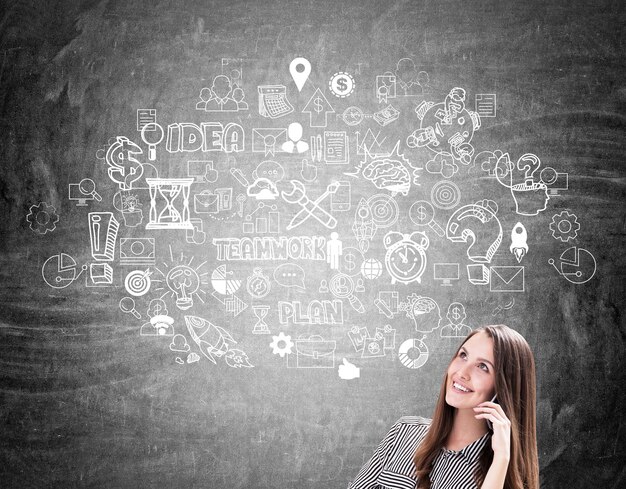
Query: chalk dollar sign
[(318, 106), (124, 169), (456, 313), (421, 213), (342, 83)]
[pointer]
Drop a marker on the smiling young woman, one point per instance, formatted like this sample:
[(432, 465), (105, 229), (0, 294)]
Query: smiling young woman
[(494, 363)]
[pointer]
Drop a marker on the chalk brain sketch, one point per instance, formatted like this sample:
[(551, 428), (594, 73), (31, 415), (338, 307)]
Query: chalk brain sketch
[(252, 231)]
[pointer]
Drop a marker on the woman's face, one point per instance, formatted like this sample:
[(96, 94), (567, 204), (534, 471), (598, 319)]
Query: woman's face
[(471, 374)]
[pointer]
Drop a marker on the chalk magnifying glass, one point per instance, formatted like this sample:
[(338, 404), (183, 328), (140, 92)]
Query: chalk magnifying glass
[(422, 213), (342, 287), (88, 187), (127, 305), (152, 134)]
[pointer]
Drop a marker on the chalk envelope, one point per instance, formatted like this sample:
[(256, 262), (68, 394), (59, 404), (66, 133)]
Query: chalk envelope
[(212, 340), (507, 279), (290, 275)]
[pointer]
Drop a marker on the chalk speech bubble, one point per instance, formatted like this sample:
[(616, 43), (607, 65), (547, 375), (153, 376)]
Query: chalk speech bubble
[(271, 170), (290, 275)]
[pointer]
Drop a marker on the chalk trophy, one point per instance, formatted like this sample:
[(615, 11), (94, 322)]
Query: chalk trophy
[(261, 326), (130, 207), (531, 197)]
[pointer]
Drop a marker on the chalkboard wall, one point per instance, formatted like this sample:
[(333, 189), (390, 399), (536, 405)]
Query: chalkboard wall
[(240, 239)]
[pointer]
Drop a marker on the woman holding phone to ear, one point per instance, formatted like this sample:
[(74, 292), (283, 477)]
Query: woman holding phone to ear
[(457, 449)]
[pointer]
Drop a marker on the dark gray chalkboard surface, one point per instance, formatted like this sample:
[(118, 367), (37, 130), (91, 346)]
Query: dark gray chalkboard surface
[(92, 396)]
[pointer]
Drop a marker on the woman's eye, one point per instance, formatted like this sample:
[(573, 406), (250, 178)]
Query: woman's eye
[(484, 367), (462, 354)]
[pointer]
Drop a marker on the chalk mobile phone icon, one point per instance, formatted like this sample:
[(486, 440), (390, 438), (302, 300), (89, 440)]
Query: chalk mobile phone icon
[(340, 200)]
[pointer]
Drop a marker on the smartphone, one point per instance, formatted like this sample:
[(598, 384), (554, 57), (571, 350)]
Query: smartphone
[(489, 423), (340, 200)]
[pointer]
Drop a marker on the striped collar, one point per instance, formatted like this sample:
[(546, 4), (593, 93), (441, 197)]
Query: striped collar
[(472, 451)]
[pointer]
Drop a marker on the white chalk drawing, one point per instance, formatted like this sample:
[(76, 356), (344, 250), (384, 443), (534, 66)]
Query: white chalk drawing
[(130, 207), (315, 312), (300, 69), (202, 171), (456, 327), (282, 345), (478, 224), (529, 192), (564, 226), (268, 140), (336, 148), (273, 101), (290, 275), (445, 195), (309, 208), (385, 87), (318, 107), (341, 84), (423, 311), (446, 273), (215, 342), (478, 274), (315, 352), (137, 283), (422, 213), (413, 353), (295, 143), (519, 242), (100, 275), (258, 284), (261, 312), (405, 258), (137, 251), (144, 117), (442, 164), (223, 96), (486, 104), (387, 303), (152, 134), (446, 127), (124, 169), (371, 268), (127, 306), (42, 218), (165, 195), (103, 229), (251, 206), (348, 371), (507, 278), (196, 235), (388, 171), (60, 271), (576, 265), (83, 191), (334, 251)]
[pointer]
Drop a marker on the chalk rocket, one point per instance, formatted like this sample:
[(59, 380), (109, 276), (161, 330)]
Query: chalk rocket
[(363, 227), (519, 247)]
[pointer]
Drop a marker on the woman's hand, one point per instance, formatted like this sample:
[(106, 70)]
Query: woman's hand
[(501, 438)]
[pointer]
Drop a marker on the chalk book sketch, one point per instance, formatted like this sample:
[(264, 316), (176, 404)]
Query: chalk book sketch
[(294, 235)]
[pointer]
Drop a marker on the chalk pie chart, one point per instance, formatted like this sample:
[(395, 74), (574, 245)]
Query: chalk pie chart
[(59, 271), (222, 283), (413, 353)]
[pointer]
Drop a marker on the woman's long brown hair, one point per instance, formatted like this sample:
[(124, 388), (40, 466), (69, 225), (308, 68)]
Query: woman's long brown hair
[(516, 392)]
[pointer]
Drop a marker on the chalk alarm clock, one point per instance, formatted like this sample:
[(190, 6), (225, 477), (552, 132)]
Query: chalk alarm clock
[(405, 259)]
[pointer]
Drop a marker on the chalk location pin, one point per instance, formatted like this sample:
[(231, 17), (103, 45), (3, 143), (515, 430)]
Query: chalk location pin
[(519, 247), (300, 69)]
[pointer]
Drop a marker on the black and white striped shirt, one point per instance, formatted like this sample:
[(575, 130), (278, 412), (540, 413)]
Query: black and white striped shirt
[(392, 465)]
